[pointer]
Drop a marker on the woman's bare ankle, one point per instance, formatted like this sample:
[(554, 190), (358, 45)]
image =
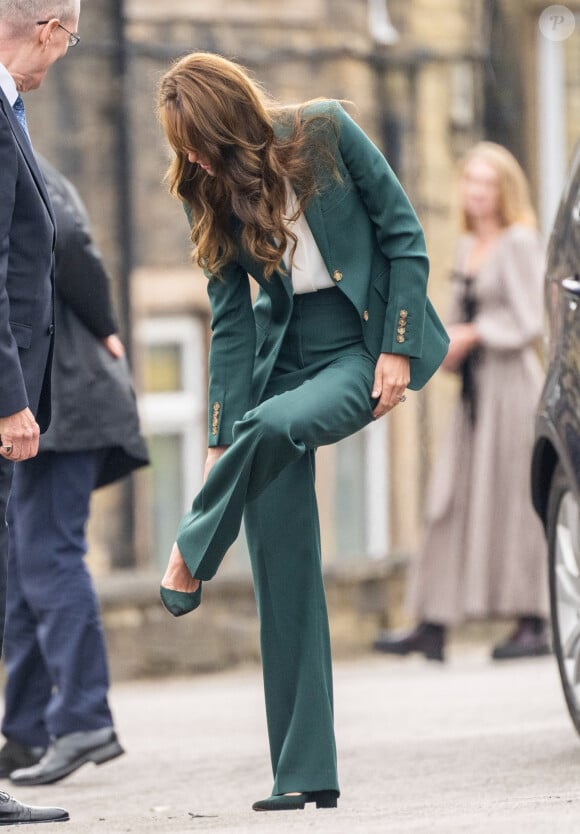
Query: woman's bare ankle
[(186, 587), (177, 576)]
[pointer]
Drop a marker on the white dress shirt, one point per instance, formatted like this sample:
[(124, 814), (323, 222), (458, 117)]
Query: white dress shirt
[(8, 85), (306, 268)]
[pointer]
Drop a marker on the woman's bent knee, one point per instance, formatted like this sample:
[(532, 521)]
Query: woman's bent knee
[(264, 422)]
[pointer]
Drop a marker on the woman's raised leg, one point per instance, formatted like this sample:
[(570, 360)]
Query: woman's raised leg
[(332, 404)]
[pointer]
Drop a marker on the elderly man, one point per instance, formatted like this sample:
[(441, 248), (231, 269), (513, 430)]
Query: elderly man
[(33, 35)]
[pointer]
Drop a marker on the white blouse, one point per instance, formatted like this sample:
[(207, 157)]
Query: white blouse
[(306, 268)]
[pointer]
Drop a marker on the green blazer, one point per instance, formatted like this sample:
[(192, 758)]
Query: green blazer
[(374, 249)]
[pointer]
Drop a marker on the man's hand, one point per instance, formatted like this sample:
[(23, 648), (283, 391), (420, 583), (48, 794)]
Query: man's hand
[(114, 345), (392, 375), (20, 434)]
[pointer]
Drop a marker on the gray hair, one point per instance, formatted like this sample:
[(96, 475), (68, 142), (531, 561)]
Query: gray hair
[(19, 14)]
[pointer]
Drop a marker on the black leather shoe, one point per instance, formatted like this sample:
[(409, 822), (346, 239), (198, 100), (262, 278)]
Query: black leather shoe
[(528, 640), (296, 802), (427, 639), (67, 753), (13, 812), (14, 755)]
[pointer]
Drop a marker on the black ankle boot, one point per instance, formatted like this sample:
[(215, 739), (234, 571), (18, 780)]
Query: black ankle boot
[(427, 639), (529, 639), (297, 801)]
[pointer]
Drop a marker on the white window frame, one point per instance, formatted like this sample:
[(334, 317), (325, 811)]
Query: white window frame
[(377, 476), (182, 412)]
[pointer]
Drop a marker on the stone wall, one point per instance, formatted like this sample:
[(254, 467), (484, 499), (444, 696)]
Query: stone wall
[(143, 640)]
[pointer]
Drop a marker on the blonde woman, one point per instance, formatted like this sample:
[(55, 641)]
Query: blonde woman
[(302, 200), (484, 553)]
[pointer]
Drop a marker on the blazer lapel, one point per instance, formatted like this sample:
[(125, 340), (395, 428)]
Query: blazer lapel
[(313, 214), (255, 270), (28, 153), (315, 220)]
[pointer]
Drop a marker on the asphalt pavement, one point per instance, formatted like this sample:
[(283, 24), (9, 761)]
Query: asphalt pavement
[(468, 746)]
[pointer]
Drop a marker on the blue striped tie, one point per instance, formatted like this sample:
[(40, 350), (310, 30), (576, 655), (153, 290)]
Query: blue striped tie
[(20, 113)]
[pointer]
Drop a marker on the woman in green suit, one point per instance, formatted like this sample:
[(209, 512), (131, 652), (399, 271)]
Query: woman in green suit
[(301, 200)]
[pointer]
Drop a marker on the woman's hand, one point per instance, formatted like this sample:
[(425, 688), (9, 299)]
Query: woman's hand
[(214, 453), (114, 345), (463, 339), (392, 375)]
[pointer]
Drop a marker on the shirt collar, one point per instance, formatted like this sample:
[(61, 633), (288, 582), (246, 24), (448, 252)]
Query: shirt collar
[(8, 85)]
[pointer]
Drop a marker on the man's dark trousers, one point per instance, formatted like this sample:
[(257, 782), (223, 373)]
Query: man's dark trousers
[(53, 646), (6, 470)]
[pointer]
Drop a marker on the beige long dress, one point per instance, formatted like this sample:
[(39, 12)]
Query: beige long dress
[(484, 553)]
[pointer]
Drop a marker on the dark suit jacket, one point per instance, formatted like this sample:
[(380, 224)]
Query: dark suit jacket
[(27, 233), (374, 249)]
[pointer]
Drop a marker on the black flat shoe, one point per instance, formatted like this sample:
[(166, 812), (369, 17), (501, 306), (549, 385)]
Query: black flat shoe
[(428, 639), (296, 802), (179, 603)]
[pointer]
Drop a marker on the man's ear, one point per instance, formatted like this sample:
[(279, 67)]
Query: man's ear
[(47, 30)]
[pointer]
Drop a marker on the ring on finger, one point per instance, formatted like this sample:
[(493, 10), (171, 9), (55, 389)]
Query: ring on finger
[(8, 449)]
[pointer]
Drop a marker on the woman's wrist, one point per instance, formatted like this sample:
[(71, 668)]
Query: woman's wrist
[(215, 451)]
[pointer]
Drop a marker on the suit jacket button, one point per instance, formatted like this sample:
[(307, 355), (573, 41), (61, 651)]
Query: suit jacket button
[(365, 315), (50, 329), (337, 276), (403, 314), (400, 339)]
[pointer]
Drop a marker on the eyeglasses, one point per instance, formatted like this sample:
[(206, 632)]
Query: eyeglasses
[(73, 37)]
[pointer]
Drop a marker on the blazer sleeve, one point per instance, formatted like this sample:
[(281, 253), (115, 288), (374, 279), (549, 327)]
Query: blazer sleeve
[(80, 276), (516, 319), (399, 234), (231, 353), (13, 396)]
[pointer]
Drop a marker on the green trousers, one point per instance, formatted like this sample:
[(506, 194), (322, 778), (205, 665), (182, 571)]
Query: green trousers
[(319, 393)]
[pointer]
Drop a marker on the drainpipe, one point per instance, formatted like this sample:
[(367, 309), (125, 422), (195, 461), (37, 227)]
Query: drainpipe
[(125, 241), (123, 555), (551, 86)]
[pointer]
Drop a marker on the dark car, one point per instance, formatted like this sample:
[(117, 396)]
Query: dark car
[(556, 457)]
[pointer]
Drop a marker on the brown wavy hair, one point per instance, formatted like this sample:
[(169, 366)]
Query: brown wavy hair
[(514, 201), (211, 105)]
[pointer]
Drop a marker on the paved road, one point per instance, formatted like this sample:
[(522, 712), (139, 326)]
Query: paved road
[(467, 747)]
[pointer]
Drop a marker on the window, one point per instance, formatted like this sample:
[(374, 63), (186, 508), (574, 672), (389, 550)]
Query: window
[(173, 415), (352, 485)]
